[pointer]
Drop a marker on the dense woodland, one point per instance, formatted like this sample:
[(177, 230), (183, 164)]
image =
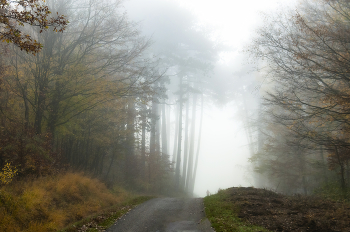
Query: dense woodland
[(302, 126), (84, 89), (87, 91)]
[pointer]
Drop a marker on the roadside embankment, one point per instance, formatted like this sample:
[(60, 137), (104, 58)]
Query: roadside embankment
[(251, 209), (54, 202)]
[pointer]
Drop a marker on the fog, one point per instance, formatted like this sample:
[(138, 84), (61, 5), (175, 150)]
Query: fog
[(230, 25), (223, 160), (160, 96)]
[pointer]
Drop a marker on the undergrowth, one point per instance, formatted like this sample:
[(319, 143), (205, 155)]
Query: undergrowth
[(333, 191), (51, 203), (222, 213)]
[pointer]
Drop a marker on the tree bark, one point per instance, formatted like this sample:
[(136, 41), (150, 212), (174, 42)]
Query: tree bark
[(342, 171), (175, 137), (143, 140), (130, 165), (190, 160), (198, 147), (164, 132), (185, 155), (179, 141)]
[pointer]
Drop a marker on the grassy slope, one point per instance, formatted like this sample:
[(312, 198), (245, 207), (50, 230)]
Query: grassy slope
[(51, 203), (222, 214)]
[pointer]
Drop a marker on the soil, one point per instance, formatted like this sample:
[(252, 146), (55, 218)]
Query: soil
[(277, 212)]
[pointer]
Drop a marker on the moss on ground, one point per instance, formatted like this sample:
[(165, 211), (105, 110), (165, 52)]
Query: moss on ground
[(223, 214)]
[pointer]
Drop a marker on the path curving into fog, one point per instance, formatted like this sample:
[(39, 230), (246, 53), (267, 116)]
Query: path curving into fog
[(165, 215)]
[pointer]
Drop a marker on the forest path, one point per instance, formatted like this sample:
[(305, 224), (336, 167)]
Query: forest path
[(165, 215)]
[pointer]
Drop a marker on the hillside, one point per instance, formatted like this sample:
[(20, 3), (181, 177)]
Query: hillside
[(52, 203), (275, 212)]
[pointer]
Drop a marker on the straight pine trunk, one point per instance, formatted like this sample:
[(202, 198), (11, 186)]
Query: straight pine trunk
[(178, 159), (193, 182), (164, 132), (153, 139), (184, 164), (190, 160), (175, 137), (143, 140)]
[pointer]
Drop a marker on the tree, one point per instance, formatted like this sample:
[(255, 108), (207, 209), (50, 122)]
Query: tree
[(18, 13), (186, 51), (307, 58), (79, 97)]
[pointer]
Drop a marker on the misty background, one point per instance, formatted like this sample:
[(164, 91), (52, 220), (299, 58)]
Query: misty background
[(236, 86)]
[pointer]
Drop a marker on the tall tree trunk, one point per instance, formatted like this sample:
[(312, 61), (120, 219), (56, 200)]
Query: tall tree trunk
[(193, 182), (185, 155), (176, 136), (347, 173), (143, 139), (24, 91), (324, 166), (152, 147), (112, 160), (40, 106), (42, 72), (168, 113), (164, 132), (54, 111), (302, 169), (26, 108), (158, 129), (153, 139), (342, 171), (158, 152), (130, 165), (179, 141), (189, 180)]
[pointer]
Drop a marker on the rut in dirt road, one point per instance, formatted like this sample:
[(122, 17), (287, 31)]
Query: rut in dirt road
[(165, 215)]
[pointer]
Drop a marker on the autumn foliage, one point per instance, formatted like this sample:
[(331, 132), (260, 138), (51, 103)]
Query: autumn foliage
[(307, 56), (14, 15), (51, 203), (77, 102)]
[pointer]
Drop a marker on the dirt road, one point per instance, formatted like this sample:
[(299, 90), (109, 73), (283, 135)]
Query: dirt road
[(165, 215)]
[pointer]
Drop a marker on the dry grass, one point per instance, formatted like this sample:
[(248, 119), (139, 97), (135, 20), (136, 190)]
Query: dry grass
[(50, 203)]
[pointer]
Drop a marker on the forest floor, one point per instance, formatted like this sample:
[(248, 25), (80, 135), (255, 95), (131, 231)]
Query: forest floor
[(277, 212)]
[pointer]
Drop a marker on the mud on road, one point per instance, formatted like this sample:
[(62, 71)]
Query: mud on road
[(165, 215)]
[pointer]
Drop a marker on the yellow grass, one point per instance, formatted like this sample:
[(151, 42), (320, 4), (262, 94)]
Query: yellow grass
[(50, 203)]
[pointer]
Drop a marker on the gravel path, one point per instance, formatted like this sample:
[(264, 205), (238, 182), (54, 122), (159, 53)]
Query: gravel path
[(165, 215)]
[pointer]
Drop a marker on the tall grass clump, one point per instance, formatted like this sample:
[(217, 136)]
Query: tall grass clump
[(50, 203)]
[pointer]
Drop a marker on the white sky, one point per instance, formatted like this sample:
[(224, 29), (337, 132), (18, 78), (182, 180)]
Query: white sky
[(224, 150), (235, 21)]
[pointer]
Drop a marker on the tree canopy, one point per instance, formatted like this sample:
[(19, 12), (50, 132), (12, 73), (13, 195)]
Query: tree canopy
[(15, 14)]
